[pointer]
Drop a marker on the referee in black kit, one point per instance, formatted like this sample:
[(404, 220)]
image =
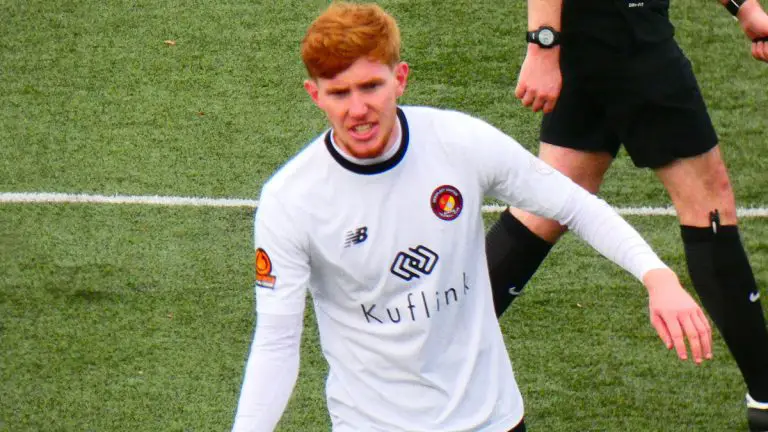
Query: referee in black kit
[(607, 73)]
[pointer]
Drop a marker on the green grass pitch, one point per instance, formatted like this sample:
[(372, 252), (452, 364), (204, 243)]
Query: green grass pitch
[(139, 318)]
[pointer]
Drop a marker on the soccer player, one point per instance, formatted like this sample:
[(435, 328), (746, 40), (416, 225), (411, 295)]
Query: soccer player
[(379, 219), (616, 75)]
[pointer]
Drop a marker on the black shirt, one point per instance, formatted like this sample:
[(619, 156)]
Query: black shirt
[(640, 21), (600, 36)]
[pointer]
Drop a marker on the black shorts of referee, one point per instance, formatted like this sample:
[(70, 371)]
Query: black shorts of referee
[(644, 96)]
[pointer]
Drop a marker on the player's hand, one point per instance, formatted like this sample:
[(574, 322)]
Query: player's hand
[(676, 316), (540, 80), (754, 22)]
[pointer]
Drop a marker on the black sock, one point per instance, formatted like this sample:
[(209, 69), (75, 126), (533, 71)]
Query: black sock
[(721, 274), (514, 253)]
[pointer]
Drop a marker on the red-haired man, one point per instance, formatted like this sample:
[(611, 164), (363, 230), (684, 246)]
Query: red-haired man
[(380, 220)]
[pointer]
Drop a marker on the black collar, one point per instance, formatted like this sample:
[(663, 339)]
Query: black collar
[(378, 167)]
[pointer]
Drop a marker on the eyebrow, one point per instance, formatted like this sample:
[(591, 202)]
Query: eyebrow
[(333, 90), (370, 82), (341, 89)]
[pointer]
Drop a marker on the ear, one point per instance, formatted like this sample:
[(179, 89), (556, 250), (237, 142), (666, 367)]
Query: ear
[(401, 75), (311, 87)]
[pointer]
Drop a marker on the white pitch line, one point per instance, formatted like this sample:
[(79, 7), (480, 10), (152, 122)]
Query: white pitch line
[(53, 197)]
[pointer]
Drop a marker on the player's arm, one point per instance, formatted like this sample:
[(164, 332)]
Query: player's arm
[(754, 22), (673, 312), (270, 373), (282, 274), (509, 172), (540, 79)]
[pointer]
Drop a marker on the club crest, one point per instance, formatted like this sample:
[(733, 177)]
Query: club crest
[(446, 202)]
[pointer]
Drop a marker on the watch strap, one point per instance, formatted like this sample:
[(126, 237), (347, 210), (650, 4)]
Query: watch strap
[(733, 6), (533, 37)]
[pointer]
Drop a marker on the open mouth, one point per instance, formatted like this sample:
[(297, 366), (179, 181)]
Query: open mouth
[(363, 128), (363, 131)]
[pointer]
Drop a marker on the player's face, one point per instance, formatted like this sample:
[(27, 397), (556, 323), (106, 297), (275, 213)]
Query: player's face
[(361, 104)]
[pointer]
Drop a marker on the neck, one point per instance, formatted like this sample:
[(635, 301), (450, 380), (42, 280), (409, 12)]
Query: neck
[(389, 149)]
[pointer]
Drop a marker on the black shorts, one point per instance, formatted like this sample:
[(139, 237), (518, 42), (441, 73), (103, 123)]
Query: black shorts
[(648, 100), (519, 428)]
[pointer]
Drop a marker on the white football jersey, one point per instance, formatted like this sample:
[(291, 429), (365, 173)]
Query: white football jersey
[(393, 254)]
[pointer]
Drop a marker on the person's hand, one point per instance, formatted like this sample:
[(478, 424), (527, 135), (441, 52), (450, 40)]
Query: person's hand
[(754, 22), (676, 316), (540, 80)]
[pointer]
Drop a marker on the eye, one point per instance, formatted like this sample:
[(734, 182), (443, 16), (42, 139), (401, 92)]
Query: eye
[(371, 86)]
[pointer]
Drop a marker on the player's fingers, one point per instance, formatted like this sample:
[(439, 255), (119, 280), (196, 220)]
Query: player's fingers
[(520, 89), (760, 50), (763, 51), (702, 323), (529, 97), (539, 103), (676, 333), (694, 339), (661, 330)]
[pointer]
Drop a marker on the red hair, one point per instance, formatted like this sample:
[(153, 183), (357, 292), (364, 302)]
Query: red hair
[(346, 32)]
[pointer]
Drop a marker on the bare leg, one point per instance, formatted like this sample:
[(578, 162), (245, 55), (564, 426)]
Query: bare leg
[(717, 263)]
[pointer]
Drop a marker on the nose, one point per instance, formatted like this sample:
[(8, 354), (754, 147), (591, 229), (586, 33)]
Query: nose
[(358, 106)]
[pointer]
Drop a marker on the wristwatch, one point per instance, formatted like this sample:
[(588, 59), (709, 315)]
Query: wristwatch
[(544, 36)]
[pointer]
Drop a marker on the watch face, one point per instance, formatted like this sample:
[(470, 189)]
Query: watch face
[(546, 37)]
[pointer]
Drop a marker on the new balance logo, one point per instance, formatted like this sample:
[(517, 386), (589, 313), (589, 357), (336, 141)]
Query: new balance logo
[(417, 261), (356, 236)]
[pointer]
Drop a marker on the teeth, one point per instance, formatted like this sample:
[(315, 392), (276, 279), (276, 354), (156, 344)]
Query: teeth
[(362, 128)]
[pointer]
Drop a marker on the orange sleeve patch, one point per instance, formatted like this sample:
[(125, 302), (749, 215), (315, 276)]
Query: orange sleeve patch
[(264, 276)]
